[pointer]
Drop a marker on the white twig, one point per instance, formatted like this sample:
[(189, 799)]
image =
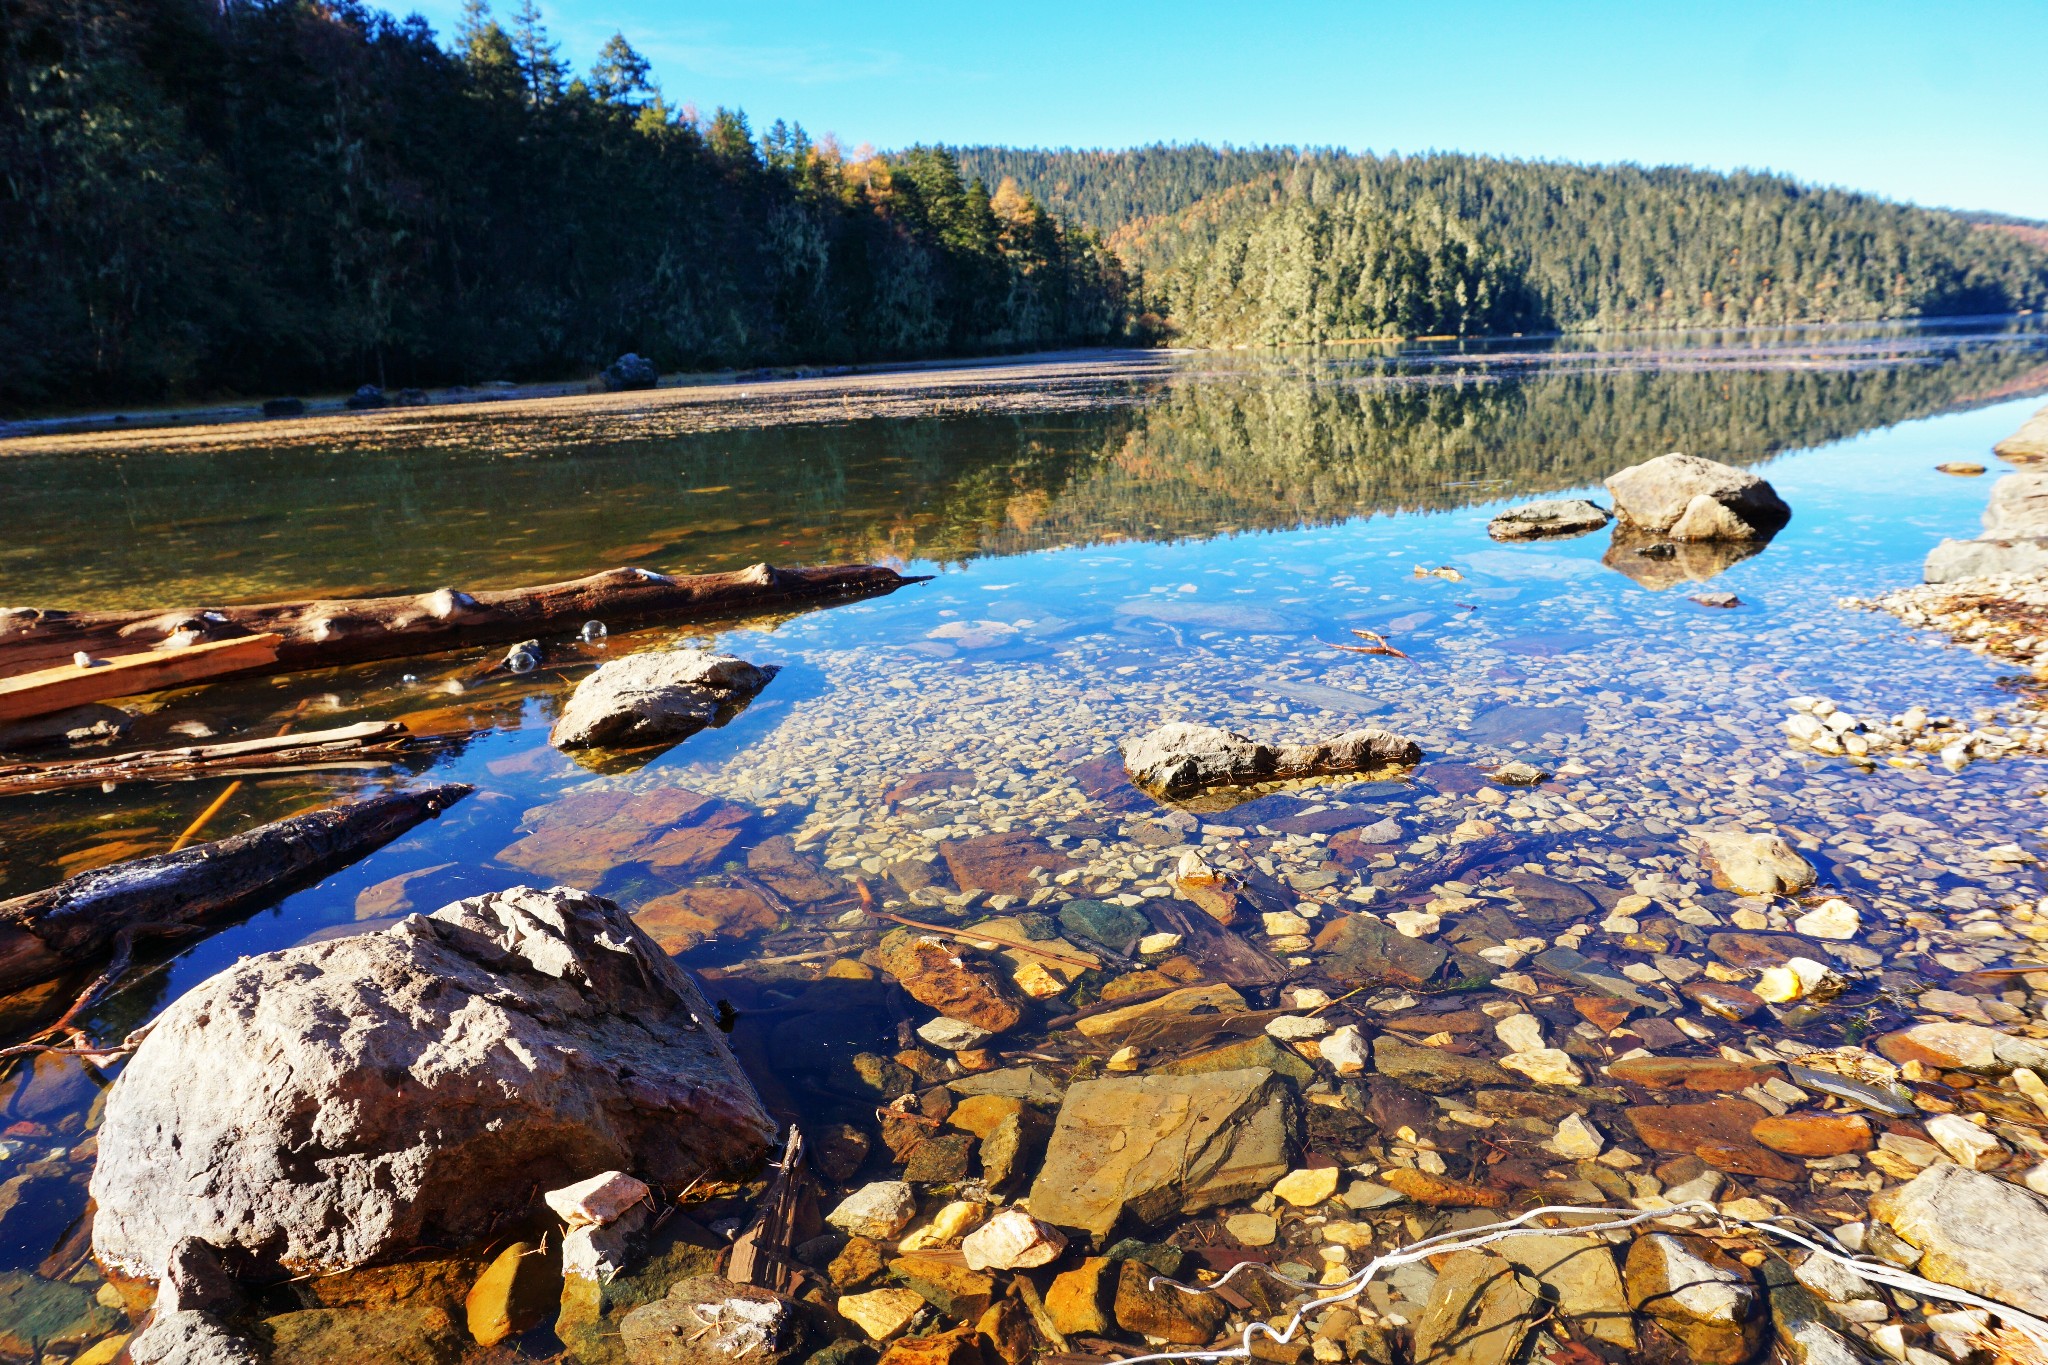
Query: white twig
[(1469, 1239)]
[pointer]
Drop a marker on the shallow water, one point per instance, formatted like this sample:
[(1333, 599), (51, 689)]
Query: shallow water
[(1190, 548)]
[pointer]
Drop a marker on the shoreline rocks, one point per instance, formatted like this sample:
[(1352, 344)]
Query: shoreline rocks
[(326, 1107)]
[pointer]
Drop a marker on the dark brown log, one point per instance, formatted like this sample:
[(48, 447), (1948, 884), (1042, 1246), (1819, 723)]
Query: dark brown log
[(385, 739), (317, 633), (47, 933), (765, 1254)]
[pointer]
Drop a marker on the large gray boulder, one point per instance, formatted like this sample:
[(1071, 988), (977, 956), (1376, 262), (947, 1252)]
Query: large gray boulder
[(1687, 497), (2029, 443), (1952, 561), (1973, 1231), (1179, 759), (658, 697), (1554, 517), (2018, 507), (345, 1102)]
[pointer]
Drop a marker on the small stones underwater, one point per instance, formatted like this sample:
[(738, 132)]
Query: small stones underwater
[(1646, 928)]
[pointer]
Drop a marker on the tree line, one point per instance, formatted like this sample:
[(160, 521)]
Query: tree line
[(1327, 246), (250, 196)]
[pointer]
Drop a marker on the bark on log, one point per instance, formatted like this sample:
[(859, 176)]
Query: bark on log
[(47, 933), (375, 739), (317, 633)]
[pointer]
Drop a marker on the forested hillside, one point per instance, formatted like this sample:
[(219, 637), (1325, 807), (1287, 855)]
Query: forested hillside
[(205, 196), (1329, 246)]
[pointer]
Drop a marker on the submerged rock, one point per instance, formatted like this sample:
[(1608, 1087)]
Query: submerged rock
[(1148, 1147), (1699, 1294), (1690, 498), (657, 697), (706, 1320), (1480, 1311), (1179, 759), (1553, 517), (325, 1107), (1756, 864), (1973, 1231)]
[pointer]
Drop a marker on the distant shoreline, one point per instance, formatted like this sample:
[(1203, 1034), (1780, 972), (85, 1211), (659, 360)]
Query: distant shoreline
[(783, 396)]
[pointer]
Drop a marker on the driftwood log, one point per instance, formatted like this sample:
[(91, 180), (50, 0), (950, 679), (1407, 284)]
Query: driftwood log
[(82, 919), (349, 746), (318, 633)]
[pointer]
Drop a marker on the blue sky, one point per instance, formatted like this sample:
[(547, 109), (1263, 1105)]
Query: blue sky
[(1936, 103)]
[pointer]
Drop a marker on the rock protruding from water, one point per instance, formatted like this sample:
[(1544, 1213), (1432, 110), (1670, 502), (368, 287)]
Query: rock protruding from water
[(1973, 1231), (629, 371), (1179, 759), (2015, 535), (1148, 1147), (1756, 864), (657, 697), (329, 1106), (2029, 444), (1551, 517), (1687, 497)]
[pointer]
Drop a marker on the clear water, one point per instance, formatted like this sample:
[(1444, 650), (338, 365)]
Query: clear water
[(1181, 548)]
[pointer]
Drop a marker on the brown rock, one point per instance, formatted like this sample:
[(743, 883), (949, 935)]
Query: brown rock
[(1723, 999), (1440, 1192), (1164, 1312), (1964, 1047), (1006, 1330), (792, 876), (1078, 1300), (858, 1264), (1683, 1127), (1755, 951), (683, 919), (1001, 863), (520, 1289), (1699, 1294), (980, 1114), (961, 1346), (941, 1160), (1479, 1311), (1011, 1151), (921, 784), (1603, 1011), (936, 976), (1747, 1158), (580, 839), (1813, 1134), (1711, 1075), (954, 1290)]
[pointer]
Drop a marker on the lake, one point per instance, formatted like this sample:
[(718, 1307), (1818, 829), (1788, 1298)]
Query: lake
[(1197, 543)]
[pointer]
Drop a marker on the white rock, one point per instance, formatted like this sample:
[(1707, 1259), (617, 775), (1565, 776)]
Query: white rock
[(1415, 923), (1154, 944), (1966, 1143), (598, 1200), (599, 1251), (953, 1035), (1756, 864), (878, 1210), (1521, 1033), (1797, 979), (655, 697), (1295, 1028), (1284, 924), (1345, 1050), (1576, 1139), (1545, 1066), (1832, 919), (1012, 1240)]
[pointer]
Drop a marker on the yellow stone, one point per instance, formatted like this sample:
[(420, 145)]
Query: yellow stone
[(948, 1226), (1035, 981), (517, 1291), (1306, 1188), (846, 969), (881, 1313), (981, 1114), (101, 1352)]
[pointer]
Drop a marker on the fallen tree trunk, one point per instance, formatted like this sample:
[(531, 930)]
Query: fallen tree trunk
[(50, 932), (321, 632), (375, 739)]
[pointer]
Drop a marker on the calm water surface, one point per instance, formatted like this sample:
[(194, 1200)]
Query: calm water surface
[(1189, 550)]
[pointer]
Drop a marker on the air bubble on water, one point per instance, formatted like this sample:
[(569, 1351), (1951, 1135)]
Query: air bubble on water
[(409, 679), (594, 632)]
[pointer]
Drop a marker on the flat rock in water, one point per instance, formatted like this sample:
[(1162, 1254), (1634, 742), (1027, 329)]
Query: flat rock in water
[(706, 1320), (935, 975), (1756, 864), (1964, 1047), (1546, 900), (1526, 724), (1359, 950), (1002, 863), (1148, 1147), (1699, 1294), (1551, 517), (1480, 1311), (1330, 698), (582, 839), (1434, 1070), (444, 1068), (1210, 616), (1179, 759), (1685, 1127), (1973, 1231), (1582, 1279), (657, 697), (1659, 494)]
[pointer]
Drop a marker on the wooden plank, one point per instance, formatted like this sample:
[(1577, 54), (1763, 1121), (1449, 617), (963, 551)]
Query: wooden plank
[(126, 675), (383, 739)]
